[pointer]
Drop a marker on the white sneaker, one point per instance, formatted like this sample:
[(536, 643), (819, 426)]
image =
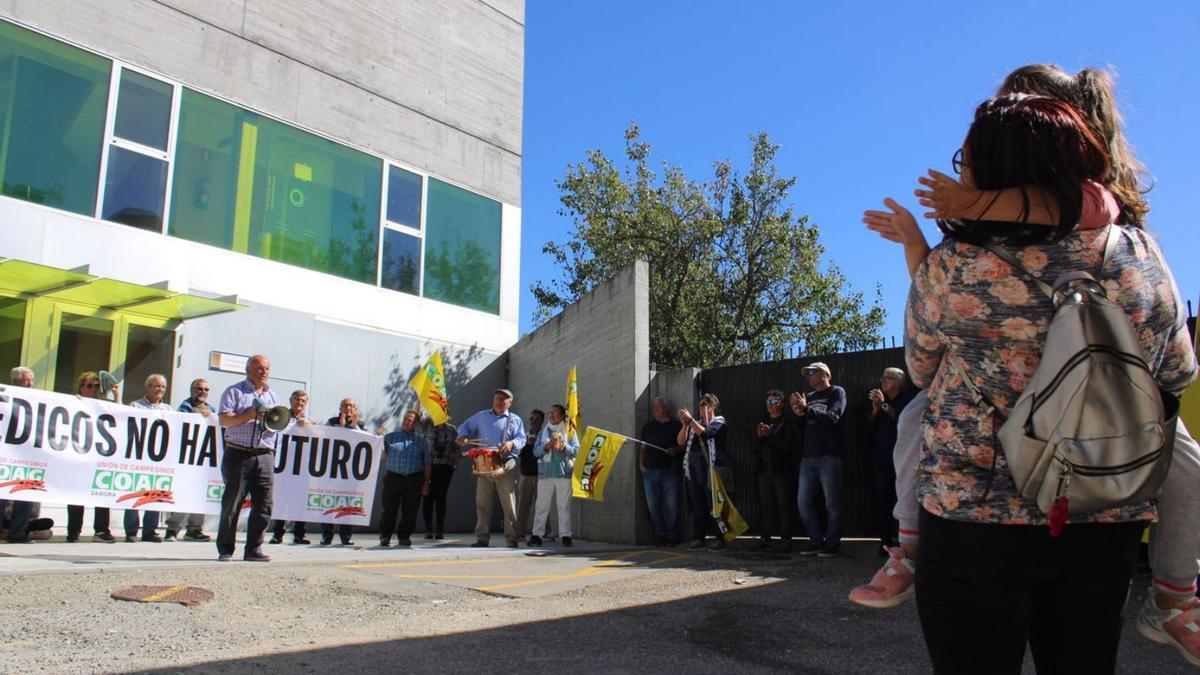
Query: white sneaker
[(170, 537), (1178, 627)]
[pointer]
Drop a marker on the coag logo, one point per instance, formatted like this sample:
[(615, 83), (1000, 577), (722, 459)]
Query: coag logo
[(143, 488), (20, 478), (339, 506), (214, 493), (591, 464)]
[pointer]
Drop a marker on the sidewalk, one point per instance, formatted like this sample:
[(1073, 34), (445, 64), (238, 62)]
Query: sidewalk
[(56, 556)]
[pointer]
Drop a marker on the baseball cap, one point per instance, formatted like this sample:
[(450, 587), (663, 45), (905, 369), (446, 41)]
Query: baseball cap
[(817, 365), (507, 393)]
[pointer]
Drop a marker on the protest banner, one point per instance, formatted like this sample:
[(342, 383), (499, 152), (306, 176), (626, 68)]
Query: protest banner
[(71, 450), (326, 474), (64, 449)]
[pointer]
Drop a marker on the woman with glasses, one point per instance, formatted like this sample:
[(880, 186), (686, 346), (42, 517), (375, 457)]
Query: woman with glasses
[(778, 446), (990, 578), (88, 386)]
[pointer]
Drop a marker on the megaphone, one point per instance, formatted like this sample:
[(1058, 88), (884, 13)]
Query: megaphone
[(278, 418), (107, 382)]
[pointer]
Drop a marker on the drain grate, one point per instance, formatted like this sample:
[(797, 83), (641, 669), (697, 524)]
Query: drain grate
[(184, 595)]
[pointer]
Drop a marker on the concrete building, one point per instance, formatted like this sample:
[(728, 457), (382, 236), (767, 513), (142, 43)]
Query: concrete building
[(188, 182)]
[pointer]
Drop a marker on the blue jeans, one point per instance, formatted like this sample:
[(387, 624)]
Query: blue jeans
[(662, 499), (149, 522), (824, 473), (18, 526)]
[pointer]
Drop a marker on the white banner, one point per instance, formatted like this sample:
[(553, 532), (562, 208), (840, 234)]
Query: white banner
[(326, 474), (69, 450)]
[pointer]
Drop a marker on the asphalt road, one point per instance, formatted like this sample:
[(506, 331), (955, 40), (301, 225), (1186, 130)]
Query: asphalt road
[(592, 609)]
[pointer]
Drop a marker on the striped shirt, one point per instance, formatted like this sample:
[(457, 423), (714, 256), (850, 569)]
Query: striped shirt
[(239, 398), (145, 404)]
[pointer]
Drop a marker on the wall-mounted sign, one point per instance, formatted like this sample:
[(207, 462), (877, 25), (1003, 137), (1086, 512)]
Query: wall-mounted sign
[(227, 363)]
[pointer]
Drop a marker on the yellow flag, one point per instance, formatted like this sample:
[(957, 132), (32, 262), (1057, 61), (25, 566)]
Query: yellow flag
[(574, 422), (431, 389), (597, 454), (729, 521)]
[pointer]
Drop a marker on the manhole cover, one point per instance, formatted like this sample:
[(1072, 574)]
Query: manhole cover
[(184, 595)]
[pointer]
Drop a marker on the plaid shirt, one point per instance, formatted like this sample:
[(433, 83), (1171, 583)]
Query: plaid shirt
[(239, 398), (440, 440), (407, 453)]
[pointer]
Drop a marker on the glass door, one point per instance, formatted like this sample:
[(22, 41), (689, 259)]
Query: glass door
[(12, 333), (148, 350), (84, 344)]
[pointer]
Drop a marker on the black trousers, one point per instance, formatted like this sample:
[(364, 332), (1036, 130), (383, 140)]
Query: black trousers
[(884, 468), (778, 499), (433, 506), (298, 528), (344, 532), (402, 496), (984, 590), (699, 497), (75, 520), (245, 473)]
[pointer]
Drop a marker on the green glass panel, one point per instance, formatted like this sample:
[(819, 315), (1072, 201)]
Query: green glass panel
[(401, 261), (404, 197), (52, 106), (108, 293), (12, 328), (143, 110), (84, 344), (27, 277), (250, 184), (462, 248)]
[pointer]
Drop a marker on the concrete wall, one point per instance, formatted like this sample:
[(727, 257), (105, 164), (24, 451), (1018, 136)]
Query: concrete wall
[(436, 85), (679, 387), (606, 336)]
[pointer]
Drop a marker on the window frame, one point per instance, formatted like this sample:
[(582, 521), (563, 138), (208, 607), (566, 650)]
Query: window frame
[(418, 232), (111, 139)]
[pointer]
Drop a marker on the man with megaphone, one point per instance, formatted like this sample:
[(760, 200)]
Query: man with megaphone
[(248, 466)]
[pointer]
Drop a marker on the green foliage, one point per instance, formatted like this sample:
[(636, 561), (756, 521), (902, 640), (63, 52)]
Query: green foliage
[(735, 276)]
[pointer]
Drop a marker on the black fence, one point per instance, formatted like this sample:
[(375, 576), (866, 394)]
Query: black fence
[(742, 390)]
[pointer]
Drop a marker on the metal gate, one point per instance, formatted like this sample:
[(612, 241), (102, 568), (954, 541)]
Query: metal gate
[(742, 390)]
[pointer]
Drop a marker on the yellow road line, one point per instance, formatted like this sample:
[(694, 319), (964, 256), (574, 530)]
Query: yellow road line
[(432, 563), (162, 594), (468, 576), (597, 569)]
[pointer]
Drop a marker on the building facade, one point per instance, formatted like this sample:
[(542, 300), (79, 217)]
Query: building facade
[(189, 182)]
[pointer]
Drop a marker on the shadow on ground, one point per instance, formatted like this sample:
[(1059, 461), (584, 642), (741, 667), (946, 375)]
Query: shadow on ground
[(797, 621)]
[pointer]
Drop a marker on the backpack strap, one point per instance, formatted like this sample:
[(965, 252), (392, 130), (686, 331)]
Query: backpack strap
[(1110, 247)]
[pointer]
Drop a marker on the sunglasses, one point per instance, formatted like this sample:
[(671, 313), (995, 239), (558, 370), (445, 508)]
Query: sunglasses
[(92, 385), (774, 401)]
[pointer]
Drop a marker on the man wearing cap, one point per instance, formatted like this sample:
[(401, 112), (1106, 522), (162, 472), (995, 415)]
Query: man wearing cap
[(820, 411), (499, 429), (886, 403)]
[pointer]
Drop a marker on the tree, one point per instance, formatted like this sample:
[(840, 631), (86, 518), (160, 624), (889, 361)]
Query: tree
[(735, 276)]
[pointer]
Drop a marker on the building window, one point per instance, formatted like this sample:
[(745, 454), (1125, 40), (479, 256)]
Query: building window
[(253, 185), (462, 248), (404, 198), (53, 99), (400, 264), (401, 261), (135, 181)]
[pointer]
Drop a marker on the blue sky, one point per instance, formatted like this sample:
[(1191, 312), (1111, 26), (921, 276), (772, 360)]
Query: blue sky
[(863, 97)]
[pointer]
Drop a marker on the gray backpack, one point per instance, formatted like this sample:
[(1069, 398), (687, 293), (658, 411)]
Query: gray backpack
[(1092, 430)]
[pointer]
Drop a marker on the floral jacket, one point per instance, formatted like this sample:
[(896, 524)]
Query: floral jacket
[(971, 315)]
